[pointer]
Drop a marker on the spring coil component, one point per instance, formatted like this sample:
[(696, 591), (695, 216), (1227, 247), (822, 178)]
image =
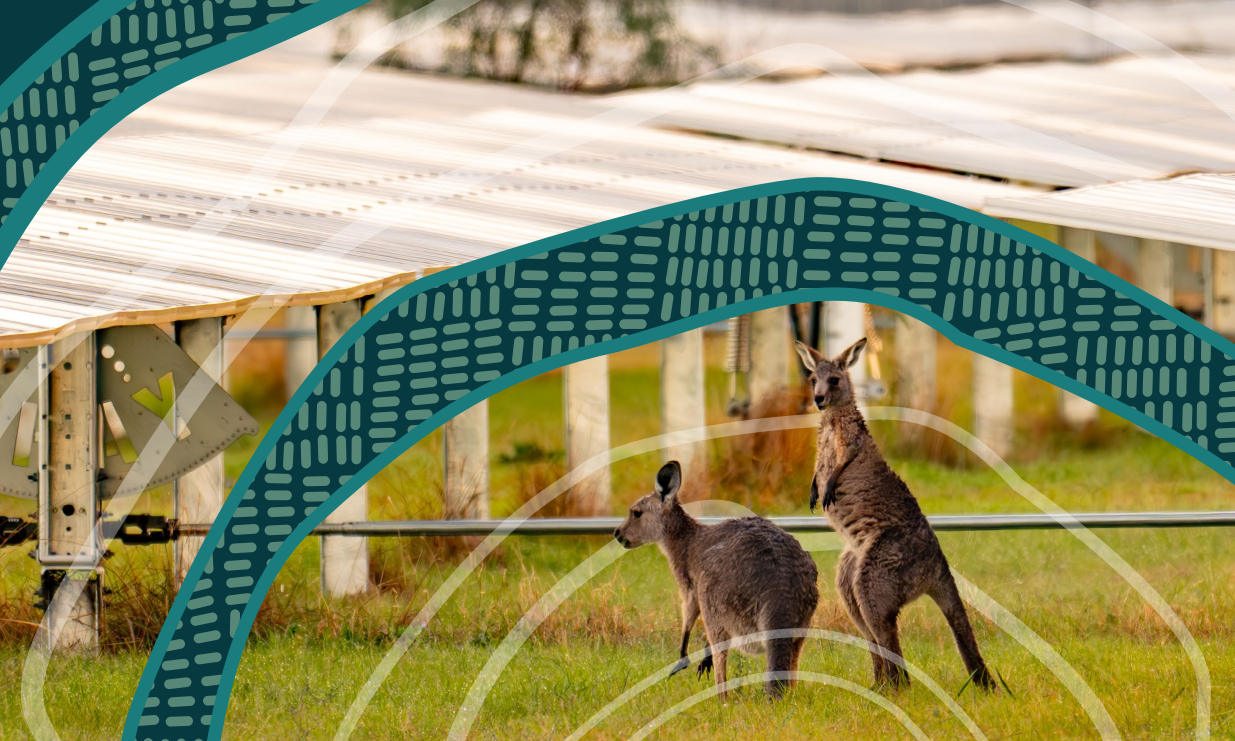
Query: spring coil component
[(737, 361), (808, 330)]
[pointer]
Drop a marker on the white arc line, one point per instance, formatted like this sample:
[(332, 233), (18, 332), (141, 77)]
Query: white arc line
[(1087, 698), (1043, 652), (815, 677), (432, 15), (444, 592), (1083, 534)]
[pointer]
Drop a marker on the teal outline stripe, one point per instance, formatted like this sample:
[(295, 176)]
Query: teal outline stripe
[(304, 528), (144, 91)]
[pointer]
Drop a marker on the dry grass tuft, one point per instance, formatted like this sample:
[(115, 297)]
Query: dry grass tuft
[(139, 596), (141, 592), (767, 471)]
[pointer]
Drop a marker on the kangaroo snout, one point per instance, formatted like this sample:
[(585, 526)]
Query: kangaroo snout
[(820, 400)]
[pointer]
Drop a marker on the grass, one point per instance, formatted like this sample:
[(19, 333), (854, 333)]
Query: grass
[(308, 655)]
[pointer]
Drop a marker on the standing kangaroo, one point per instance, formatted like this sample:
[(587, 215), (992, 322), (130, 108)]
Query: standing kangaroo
[(744, 576), (891, 556)]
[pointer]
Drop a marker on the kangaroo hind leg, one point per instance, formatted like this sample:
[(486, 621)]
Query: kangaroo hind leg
[(846, 575), (881, 605), (949, 600)]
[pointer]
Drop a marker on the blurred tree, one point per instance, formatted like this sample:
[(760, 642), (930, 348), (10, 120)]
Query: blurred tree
[(554, 42)]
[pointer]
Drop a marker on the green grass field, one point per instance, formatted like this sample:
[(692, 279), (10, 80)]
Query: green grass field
[(309, 656)]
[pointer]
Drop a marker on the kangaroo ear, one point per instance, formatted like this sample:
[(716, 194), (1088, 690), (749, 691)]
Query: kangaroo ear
[(849, 357), (810, 356), (669, 480)]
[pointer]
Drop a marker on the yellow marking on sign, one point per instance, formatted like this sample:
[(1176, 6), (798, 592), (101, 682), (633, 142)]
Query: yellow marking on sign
[(25, 435), (164, 405), (115, 438)]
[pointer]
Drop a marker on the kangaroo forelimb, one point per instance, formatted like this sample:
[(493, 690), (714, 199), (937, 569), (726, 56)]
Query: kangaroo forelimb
[(829, 489)]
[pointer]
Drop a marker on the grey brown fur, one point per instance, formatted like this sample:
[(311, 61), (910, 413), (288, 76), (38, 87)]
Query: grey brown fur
[(891, 556), (743, 576)]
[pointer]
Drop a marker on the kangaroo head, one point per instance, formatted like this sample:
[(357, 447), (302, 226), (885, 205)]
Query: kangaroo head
[(645, 522), (829, 379)]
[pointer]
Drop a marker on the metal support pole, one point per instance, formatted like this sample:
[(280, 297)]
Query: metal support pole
[(1156, 268), (68, 478), (586, 386), (1207, 285), (345, 561), (603, 526), (300, 356), (915, 364), (1220, 292), (682, 399), (466, 475), (770, 349), (992, 404), (370, 302), (199, 493), (1076, 411), (845, 324)]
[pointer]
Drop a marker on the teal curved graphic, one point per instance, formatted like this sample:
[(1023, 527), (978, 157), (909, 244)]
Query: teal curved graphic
[(81, 89), (442, 344)]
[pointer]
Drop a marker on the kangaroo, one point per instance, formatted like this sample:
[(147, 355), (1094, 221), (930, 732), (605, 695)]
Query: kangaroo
[(744, 576), (891, 556)]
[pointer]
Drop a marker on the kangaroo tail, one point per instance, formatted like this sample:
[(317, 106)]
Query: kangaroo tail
[(949, 601), (780, 663)]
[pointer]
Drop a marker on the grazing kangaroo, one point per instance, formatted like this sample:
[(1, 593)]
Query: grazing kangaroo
[(744, 576), (891, 556)]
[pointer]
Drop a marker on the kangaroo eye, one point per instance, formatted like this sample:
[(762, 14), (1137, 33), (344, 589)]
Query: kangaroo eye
[(834, 381), (636, 513)]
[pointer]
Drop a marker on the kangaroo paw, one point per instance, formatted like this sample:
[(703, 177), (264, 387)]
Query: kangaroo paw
[(705, 667), (829, 495), (682, 664), (814, 495)]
